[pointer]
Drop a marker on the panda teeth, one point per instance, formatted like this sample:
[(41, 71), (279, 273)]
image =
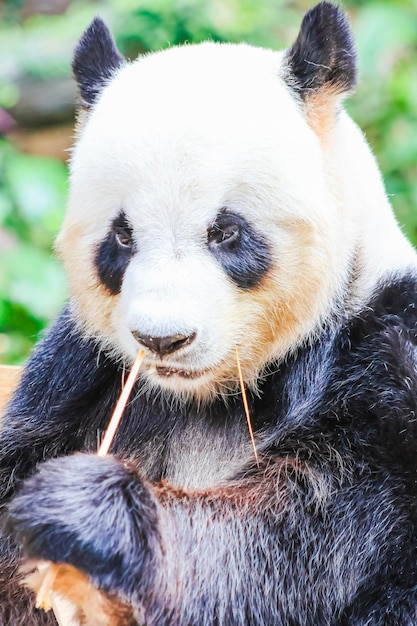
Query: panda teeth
[(171, 371)]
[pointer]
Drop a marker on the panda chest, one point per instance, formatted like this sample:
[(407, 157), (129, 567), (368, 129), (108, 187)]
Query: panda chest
[(197, 456)]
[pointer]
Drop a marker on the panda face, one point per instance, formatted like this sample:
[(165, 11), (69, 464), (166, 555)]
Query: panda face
[(200, 218)]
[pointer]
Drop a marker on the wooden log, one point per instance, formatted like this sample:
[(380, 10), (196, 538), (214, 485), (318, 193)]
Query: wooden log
[(9, 378)]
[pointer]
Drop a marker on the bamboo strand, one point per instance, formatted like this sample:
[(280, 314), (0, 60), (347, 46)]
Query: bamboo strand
[(43, 597), (246, 407), (121, 405)]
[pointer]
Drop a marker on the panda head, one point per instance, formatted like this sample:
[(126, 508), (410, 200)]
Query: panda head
[(200, 214)]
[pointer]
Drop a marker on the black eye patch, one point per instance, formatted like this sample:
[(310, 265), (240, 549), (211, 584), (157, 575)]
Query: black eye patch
[(114, 253), (240, 249)]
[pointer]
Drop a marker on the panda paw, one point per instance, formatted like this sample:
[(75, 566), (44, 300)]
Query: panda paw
[(90, 512)]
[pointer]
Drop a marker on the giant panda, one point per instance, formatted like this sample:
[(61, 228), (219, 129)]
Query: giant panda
[(221, 199)]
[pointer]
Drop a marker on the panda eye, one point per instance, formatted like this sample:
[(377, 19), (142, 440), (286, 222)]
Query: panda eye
[(114, 253), (239, 249), (123, 232), (123, 237), (224, 233)]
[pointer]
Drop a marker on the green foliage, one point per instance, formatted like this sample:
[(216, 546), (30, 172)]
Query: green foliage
[(385, 104), (156, 24), (32, 284), (33, 189)]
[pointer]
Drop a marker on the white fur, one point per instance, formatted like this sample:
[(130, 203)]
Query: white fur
[(174, 138)]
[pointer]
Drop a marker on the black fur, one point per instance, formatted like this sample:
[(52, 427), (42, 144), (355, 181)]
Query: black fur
[(112, 258), (323, 55), (125, 513), (322, 534), (96, 58), (240, 249)]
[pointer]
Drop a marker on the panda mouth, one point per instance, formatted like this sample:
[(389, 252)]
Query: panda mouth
[(167, 372)]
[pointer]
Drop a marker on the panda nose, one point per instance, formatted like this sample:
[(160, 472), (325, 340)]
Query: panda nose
[(163, 345)]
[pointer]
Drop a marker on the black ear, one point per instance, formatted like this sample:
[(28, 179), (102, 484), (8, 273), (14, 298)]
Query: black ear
[(95, 60), (323, 55)]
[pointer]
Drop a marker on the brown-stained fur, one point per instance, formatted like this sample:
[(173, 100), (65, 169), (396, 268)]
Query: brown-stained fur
[(321, 113), (286, 313), (94, 312), (269, 492)]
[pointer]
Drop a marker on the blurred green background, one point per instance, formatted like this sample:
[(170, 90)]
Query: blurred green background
[(36, 116)]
